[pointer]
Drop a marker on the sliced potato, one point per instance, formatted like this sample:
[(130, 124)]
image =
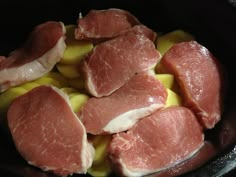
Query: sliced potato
[(173, 99), (101, 166), (29, 86), (101, 170), (58, 77), (48, 81), (75, 49), (166, 41), (69, 71), (8, 96), (100, 143), (68, 90), (166, 79), (77, 100), (53, 78)]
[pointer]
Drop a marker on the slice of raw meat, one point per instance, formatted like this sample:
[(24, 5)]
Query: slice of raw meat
[(199, 77), (100, 24), (159, 141), (48, 134), (43, 49), (114, 62), (139, 97)]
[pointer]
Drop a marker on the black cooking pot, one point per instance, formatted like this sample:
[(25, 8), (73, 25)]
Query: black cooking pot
[(212, 22)]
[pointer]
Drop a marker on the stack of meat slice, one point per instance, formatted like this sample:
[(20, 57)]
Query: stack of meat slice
[(126, 101), (114, 62), (148, 146), (115, 72), (100, 25), (142, 95)]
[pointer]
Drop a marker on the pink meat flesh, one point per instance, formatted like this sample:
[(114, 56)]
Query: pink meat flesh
[(100, 24), (139, 97), (114, 62), (142, 30), (43, 49), (164, 139), (206, 153), (2, 58), (48, 134), (199, 78)]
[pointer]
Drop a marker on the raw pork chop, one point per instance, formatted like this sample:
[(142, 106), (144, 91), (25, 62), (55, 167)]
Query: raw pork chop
[(159, 141), (199, 78), (139, 97), (100, 24), (114, 62), (48, 134), (43, 49)]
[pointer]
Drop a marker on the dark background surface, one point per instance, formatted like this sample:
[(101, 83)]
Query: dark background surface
[(212, 22)]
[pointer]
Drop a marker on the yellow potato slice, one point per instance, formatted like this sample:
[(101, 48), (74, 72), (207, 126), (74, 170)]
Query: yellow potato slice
[(173, 99), (101, 166), (48, 81), (8, 96), (166, 79), (58, 77), (68, 90), (100, 143), (101, 170), (166, 41), (69, 71), (53, 78), (75, 49), (29, 86), (77, 100)]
